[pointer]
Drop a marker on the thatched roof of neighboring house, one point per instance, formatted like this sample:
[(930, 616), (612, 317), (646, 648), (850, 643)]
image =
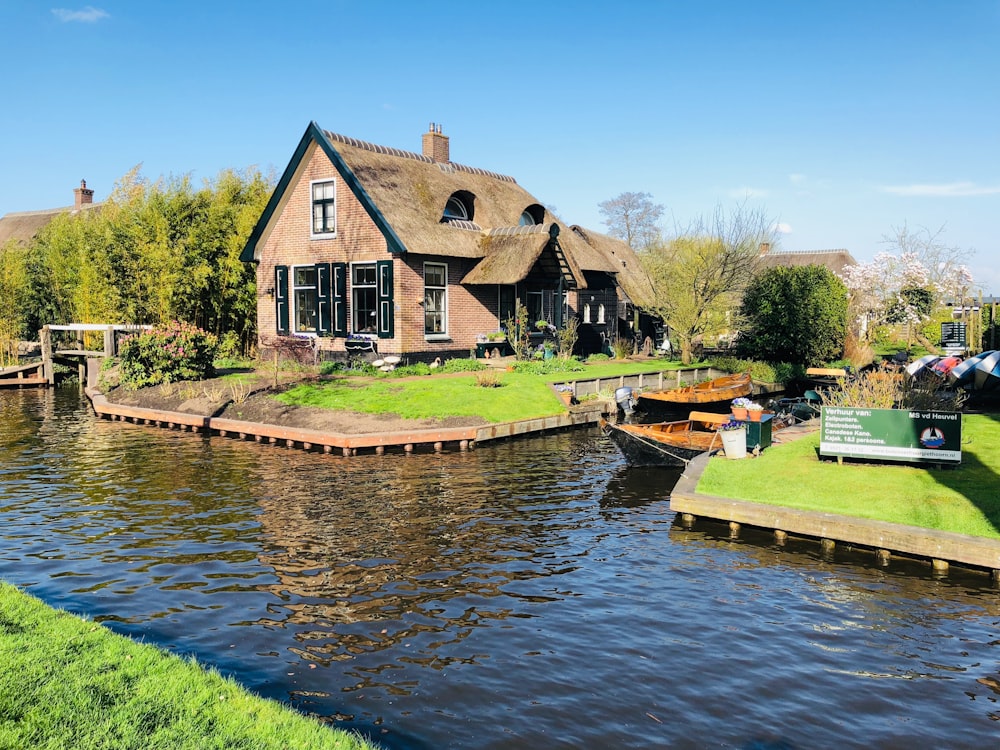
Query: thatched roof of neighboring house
[(22, 226), (618, 258), (405, 193), (835, 260)]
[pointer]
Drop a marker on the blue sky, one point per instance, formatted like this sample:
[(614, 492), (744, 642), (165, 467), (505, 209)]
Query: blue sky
[(841, 120)]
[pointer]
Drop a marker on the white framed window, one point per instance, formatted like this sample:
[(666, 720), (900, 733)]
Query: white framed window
[(305, 299), (586, 312), (364, 298), (600, 313), (535, 310), (435, 299), (324, 208)]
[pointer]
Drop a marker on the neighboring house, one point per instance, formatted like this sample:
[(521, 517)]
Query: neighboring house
[(835, 260), (367, 247), (22, 226)]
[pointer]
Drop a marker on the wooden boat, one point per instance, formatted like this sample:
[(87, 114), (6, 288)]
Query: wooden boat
[(667, 443), (825, 377), (720, 390)]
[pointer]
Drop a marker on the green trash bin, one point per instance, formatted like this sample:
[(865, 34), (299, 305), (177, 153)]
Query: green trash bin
[(759, 433)]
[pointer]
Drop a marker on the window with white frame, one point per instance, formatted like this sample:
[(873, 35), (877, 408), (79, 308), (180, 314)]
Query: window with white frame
[(586, 312), (535, 309), (305, 298), (435, 298), (600, 313), (324, 208), (364, 298)]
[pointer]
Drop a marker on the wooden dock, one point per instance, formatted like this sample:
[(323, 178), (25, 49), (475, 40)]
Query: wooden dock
[(436, 440), (23, 376)]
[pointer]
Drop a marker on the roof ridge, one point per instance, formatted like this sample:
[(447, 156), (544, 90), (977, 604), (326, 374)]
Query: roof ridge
[(390, 151)]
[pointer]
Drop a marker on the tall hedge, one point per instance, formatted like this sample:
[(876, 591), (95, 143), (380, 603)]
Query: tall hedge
[(796, 315)]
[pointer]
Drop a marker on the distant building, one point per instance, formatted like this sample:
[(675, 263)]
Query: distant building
[(834, 260), (22, 226)]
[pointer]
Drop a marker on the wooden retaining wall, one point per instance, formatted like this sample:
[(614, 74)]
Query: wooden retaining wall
[(438, 440), (939, 547)]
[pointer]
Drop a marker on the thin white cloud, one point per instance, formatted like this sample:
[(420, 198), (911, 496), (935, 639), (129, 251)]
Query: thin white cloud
[(782, 227), (89, 14), (796, 178), (944, 190)]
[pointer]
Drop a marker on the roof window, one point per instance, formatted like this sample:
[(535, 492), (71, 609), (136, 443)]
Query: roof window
[(459, 207), (533, 214)]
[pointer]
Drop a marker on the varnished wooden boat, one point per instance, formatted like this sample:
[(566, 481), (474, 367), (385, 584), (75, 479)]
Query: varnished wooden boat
[(666, 443), (720, 390)]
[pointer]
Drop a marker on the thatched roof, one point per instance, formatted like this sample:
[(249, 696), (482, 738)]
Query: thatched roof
[(405, 194), (835, 260), (620, 260), (21, 227)]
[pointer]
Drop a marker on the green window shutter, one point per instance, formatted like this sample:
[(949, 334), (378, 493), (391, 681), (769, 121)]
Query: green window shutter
[(281, 299), (338, 298), (386, 308), (323, 306)]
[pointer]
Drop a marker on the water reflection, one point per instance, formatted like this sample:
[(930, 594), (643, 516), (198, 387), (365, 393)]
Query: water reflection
[(529, 593)]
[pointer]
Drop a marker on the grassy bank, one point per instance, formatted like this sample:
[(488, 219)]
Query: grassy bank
[(520, 395), (70, 683), (963, 500)]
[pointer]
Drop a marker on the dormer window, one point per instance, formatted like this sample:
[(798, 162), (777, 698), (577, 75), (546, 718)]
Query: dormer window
[(458, 207), (533, 214)]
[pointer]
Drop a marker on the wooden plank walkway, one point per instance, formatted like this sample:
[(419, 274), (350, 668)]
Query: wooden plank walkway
[(438, 440), (939, 547), (22, 376)]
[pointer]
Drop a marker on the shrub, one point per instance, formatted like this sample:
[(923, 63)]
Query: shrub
[(488, 379), (176, 351), (548, 366), (462, 365)]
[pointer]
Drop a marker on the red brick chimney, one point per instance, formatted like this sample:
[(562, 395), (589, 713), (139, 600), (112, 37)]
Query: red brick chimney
[(82, 195), (436, 145), (765, 248)]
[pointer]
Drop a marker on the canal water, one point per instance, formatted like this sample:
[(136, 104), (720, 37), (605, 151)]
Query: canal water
[(533, 593)]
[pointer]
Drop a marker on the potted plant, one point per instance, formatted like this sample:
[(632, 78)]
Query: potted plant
[(734, 439), (754, 411), (541, 325), (739, 407), (565, 393)]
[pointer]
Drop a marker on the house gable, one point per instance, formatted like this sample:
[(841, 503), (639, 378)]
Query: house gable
[(313, 138)]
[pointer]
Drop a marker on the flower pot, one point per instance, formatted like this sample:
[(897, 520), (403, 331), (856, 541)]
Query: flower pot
[(754, 414), (734, 443), (739, 414)]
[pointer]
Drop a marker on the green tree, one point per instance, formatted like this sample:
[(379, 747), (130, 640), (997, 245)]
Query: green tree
[(698, 276), (796, 315)]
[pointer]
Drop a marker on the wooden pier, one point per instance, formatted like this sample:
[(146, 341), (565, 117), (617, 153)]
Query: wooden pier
[(23, 376), (436, 440), (78, 355)]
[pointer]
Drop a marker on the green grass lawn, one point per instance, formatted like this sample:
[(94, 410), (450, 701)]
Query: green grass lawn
[(963, 499), (520, 395), (70, 683)]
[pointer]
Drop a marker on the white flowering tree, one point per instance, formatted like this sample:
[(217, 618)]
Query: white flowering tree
[(901, 289)]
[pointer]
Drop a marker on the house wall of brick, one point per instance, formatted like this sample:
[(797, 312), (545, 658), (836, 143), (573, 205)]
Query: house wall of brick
[(471, 310)]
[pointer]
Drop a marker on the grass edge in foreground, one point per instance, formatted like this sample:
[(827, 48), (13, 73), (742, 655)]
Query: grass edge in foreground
[(69, 682)]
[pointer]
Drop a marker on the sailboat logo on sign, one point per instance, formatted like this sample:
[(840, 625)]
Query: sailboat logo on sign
[(932, 437)]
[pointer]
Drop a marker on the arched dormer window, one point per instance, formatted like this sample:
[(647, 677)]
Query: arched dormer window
[(459, 207), (533, 214)]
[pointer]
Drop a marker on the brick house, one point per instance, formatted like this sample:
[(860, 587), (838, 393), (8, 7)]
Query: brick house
[(369, 248)]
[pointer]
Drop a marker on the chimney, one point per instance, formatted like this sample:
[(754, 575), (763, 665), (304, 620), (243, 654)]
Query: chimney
[(436, 145), (82, 195), (765, 248)]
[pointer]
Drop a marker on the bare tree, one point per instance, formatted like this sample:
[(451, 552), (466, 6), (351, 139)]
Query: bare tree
[(699, 275), (633, 217)]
